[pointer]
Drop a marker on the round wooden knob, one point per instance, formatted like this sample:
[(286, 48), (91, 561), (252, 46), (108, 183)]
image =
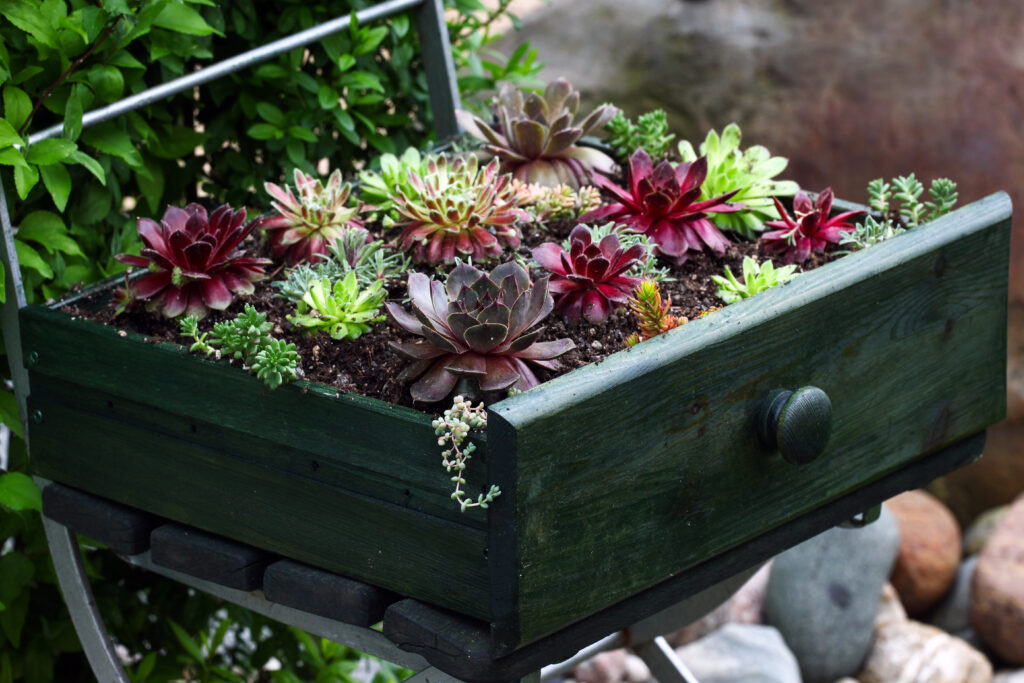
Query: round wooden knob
[(796, 423)]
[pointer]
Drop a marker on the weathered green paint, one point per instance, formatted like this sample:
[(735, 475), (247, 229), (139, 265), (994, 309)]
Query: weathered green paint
[(636, 468), (298, 427), (296, 516)]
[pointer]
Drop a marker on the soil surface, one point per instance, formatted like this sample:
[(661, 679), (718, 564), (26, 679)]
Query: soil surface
[(369, 367)]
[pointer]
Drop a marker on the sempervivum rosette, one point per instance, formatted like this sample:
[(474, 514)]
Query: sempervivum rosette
[(193, 260), (535, 137), (588, 281), (476, 332), (459, 210), (311, 222), (661, 203), (810, 229)]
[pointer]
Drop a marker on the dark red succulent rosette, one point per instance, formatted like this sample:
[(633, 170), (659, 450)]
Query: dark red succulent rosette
[(661, 203), (811, 230), (588, 281), (193, 261)]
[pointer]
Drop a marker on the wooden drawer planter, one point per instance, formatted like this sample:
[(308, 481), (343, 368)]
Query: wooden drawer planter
[(614, 477)]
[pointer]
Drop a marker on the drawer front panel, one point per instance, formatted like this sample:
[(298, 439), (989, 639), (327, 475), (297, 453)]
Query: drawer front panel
[(657, 464)]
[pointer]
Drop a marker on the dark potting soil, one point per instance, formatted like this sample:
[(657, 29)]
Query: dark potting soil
[(369, 367)]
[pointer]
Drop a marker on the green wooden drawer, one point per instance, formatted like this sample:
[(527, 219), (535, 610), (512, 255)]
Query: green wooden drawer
[(615, 477)]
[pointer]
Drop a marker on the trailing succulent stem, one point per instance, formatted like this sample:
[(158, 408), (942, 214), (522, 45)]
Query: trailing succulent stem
[(246, 338), (871, 231), (756, 278), (451, 430)]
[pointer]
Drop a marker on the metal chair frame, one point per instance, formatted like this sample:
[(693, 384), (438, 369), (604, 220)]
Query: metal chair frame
[(643, 637)]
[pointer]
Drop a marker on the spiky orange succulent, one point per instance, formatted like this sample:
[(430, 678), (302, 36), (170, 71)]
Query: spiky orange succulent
[(311, 218)]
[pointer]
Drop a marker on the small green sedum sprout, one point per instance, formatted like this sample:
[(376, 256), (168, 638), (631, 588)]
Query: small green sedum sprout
[(650, 132), (756, 278), (907, 191), (871, 231), (246, 338), (345, 310), (451, 429)]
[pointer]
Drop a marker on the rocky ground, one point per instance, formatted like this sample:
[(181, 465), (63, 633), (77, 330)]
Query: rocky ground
[(908, 598)]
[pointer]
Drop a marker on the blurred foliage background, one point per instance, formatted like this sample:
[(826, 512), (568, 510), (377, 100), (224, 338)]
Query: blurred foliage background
[(75, 199)]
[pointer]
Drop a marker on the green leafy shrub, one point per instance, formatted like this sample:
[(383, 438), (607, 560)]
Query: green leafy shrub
[(756, 278)]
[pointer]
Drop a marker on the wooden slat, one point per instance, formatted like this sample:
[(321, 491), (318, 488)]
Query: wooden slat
[(467, 650), (209, 557), (651, 456), (325, 593), (388, 442), (300, 518), (293, 459), (123, 529)]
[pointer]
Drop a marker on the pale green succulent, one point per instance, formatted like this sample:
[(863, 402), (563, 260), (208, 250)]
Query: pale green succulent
[(756, 278), (393, 179), (345, 311), (751, 170)]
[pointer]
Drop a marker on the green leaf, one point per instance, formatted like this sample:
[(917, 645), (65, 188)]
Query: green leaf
[(27, 16), (369, 39), (12, 619), (90, 165), (107, 82), (8, 136), (153, 186), (362, 80), (183, 19), (52, 151), (271, 114), (346, 62), (73, 114), (272, 71), (296, 152), (58, 182), (12, 157), (3, 286), (47, 229), (17, 106), (145, 668), (19, 492), (400, 25), (264, 131), (328, 97), (109, 138), (25, 178), (16, 570), (30, 258), (187, 642), (301, 133), (9, 412)]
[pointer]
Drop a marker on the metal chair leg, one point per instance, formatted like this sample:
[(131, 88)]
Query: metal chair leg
[(74, 584), (664, 663)]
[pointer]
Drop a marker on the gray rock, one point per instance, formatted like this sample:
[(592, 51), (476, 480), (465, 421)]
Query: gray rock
[(952, 614), (741, 652), (823, 596), (1009, 677), (982, 528)]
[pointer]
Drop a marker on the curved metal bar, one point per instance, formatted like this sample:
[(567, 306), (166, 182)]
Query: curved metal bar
[(74, 584), (14, 301), (246, 59)]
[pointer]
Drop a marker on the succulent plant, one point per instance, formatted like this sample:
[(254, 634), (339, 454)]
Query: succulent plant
[(907, 191), (589, 280), (650, 132), (378, 187), (750, 171), (811, 229), (756, 278), (870, 232), (345, 310), (535, 136), (651, 313), (478, 331), (276, 363), (311, 221), (661, 203), (460, 210), (193, 260), (561, 202)]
